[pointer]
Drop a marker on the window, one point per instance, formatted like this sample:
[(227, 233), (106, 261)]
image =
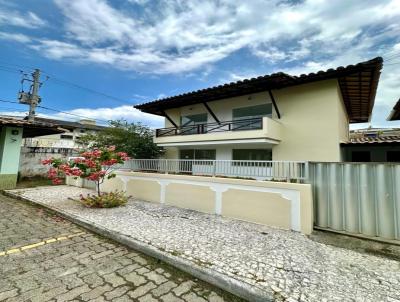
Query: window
[(252, 111), (360, 156), (251, 154), (204, 154), (82, 131), (248, 113), (63, 136), (198, 154), (189, 122), (393, 156), (194, 119)]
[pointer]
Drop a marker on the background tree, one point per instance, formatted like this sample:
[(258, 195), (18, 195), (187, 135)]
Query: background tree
[(133, 138)]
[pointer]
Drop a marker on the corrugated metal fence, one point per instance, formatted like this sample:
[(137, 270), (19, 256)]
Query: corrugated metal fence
[(357, 197)]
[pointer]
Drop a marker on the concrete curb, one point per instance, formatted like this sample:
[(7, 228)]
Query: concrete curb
[(229, 284)]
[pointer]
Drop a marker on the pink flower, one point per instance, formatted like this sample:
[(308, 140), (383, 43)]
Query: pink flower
[(57, 181), (47, 161), (90, 163), (86, 154), (76, 172), (109, 162), (88, 166), (52, 173), (96, 153)]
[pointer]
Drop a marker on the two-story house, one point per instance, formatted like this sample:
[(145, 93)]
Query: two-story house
[(274, 117)]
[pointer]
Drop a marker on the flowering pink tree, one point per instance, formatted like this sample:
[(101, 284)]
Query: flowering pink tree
[(95, 165)]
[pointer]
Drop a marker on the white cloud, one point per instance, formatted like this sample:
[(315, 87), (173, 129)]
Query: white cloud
[(126, 112), (15, 18), (139, 2), (388, 88), (102, 115), (180, 36), (15, 37)]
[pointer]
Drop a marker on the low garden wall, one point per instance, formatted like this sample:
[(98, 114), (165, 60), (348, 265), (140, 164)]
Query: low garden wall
[(278, 204)]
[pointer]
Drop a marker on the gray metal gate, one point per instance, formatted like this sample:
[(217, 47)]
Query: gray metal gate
[(357, 197)]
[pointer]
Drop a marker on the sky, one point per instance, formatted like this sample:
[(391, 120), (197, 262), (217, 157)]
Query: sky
[(99, 58)]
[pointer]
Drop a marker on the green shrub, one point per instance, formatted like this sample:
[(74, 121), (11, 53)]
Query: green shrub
[(104, 200)]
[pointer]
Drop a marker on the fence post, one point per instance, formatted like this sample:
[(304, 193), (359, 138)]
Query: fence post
[(287, 171), (306, 172), (214, 168), (166, 167)]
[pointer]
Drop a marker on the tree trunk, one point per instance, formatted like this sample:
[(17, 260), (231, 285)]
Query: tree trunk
[(98, 188)]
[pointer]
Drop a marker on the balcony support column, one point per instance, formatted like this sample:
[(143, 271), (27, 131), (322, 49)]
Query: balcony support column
[(170, 119), (274, 104), (212, 113)]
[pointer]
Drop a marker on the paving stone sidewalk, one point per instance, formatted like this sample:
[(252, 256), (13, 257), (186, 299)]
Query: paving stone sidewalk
[(287, 265), (84, 267)]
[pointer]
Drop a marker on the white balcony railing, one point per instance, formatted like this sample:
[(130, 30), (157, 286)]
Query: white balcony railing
[(260, 170)]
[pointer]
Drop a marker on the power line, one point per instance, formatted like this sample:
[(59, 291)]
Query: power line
[(9, 70), (393, 63), (77, 115), (60, 81), (12, 102), (392, 58), (17, 65), (67, 83), (56, 110), (14, 109)]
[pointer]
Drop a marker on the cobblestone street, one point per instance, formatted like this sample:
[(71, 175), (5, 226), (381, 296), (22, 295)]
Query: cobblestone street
[(46, 258)]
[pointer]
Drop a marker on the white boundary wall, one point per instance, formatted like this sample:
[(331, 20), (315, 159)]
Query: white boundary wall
[(279, 204)]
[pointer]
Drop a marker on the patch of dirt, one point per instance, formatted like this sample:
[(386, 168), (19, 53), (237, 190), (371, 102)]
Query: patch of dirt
[(371, 247)]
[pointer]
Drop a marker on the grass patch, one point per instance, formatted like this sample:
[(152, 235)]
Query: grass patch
[(33, 182)]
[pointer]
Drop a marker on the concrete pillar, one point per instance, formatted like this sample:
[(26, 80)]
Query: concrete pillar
[(10, 149)]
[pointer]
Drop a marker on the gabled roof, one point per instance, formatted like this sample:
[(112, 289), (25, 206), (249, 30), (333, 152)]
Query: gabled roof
[(395, 113), (358, 84), (31, 129)]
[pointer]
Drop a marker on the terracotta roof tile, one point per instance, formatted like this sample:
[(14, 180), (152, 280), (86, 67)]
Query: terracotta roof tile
[(374, 140), (31, 129), (358, 84)]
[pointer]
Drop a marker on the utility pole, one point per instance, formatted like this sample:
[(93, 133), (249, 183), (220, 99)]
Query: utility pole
[(31, 98)]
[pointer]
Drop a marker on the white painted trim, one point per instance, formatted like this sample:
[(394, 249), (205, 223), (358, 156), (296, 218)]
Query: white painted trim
[(221, 142), (218, 189), (290, 194)]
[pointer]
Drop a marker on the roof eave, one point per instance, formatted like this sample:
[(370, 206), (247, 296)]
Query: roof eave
[(366, 97)]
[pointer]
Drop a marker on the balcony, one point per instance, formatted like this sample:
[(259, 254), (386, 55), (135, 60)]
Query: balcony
[(257, 130)]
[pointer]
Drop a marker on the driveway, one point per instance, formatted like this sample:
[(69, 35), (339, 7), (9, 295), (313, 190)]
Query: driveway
[(46, 258)]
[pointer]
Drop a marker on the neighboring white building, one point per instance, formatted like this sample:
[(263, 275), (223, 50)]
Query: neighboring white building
[(67, 140), (63, 145), (275, 117)]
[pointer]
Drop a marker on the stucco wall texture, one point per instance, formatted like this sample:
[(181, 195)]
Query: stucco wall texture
[(279, 204), (313, 122)]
